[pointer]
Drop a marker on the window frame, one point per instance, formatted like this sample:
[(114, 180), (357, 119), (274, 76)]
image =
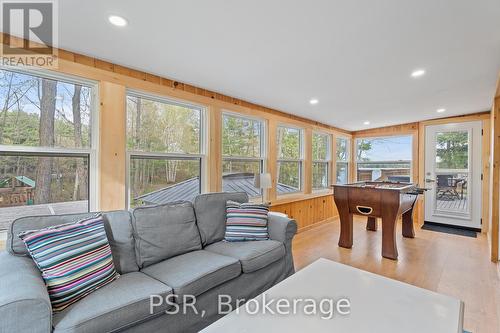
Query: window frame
[(347, 161), (412, 138), (201, 156), (91, 153), (263, 145), (327, 161), (300, 160)]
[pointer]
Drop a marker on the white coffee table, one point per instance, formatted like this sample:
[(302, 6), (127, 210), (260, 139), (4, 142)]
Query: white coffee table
[(377, 304)]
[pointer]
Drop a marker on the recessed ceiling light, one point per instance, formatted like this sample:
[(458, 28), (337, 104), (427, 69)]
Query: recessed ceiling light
[(440, 110), (418, 73), (313, 101), (117, 20), (366, 123)]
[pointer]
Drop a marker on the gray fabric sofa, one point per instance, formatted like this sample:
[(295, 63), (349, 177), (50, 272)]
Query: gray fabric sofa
[(173, 249)]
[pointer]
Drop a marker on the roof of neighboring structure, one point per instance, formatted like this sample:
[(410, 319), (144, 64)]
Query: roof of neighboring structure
[(23, 179), (190, 188)]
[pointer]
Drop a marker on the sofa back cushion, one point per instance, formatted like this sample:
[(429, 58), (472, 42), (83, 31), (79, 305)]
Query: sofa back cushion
[(210, 212), (118, 226), (164, 231)]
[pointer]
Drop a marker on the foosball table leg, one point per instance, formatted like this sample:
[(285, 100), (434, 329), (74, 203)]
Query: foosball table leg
[(408, 230), (389, 247), (371, 224)]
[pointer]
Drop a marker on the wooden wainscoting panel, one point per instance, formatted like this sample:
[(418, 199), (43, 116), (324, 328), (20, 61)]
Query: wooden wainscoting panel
[(309, 212)]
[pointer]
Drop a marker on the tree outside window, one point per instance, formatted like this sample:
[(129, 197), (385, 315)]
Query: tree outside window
[(242, 153), (45, 144), (321, 160), (164, 144), (342, 176), (289, 141)]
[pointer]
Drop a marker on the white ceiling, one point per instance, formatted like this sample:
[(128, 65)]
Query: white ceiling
[(354, 56)]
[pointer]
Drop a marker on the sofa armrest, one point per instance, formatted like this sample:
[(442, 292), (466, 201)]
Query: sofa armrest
[(24, 300), (281, 227)]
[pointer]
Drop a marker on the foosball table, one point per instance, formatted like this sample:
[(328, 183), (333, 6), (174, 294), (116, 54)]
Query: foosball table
[(385, 200)]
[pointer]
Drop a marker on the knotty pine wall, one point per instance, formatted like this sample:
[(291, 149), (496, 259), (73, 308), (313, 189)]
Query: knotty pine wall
[(113, 80), (310, 212), (308, 208)]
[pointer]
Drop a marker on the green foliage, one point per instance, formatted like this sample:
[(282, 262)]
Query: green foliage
[(320, 175), (342, 149), (241, 137), (289, 174), (160, 127), (20, 114), (452, 150), (319, 147), (363, 146), (288, 143)]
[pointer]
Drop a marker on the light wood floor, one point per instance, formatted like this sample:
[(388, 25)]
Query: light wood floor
[(454, 265)]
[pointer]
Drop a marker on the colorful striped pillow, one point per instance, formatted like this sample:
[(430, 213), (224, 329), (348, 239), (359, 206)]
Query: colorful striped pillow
[(75, 259), (246, 222)]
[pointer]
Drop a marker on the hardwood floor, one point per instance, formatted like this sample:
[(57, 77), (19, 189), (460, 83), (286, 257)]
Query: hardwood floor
[(448, 264)]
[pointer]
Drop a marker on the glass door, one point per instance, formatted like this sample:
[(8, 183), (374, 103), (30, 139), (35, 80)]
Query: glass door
[(453, 174)]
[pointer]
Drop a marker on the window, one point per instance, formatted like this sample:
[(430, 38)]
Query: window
[(164, 143), (242, 153), (289, 176), (321, 160), (384, 158), (342, 161), (46, 148)]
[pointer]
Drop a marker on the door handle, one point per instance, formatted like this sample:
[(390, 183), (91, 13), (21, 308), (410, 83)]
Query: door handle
[(428, 180)]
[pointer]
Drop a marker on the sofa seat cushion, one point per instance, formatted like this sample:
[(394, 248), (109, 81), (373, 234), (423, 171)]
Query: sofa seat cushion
[(114, 306), (253, 255), (195, 272)]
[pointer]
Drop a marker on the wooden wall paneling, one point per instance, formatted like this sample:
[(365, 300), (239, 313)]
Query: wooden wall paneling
[(387, 131), (112, 143), (307, 167), (319, 209), (495, 180), (329, 206), (118, 72), (296, 214), (272, 154), (352, 175), (333, 166), (309, 212), (285, 209), (421, 173), (486, 156), (303, 213), (214, 150)]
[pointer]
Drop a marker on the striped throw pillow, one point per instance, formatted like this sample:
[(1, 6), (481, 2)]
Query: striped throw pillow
[(246, 222), (75, 259)]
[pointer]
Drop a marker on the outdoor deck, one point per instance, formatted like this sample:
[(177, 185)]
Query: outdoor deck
[(8, 214), (455, 205)]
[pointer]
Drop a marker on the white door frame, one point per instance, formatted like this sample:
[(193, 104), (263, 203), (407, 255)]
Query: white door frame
[(471, 218)]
